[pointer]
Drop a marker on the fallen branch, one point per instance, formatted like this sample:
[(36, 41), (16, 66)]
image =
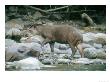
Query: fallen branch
[(50, 10)]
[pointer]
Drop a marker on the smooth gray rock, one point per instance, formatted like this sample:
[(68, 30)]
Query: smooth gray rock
[(97, 46), (30, 63), (20, 51), (63, 61), (88, 37), (9, 42), (82, 61)]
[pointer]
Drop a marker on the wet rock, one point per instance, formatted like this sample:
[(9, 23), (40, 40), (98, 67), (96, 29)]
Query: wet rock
[(48, 61), (98, 61), (88, 61), (63, 61), (66, 56), (82, 61)]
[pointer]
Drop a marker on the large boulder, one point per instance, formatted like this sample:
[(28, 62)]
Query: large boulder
[(88, 37), (20, 51), (94, 53), (29, 63), (99, 38)]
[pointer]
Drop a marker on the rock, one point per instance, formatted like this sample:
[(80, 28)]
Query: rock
[(88, 61), (36, 39), (94, 53), (37, 15), (9, 42), (13, 32), (101, 54), (30, 63), (90, 52), (20, 51), (14, 23), (48, 61), (100, 35), (61, 46), (85, 45), (98, 61), (58, 51), (66, 56), (88, 37), (13, 53), (46, 48), (100, 38), (82, 61), (63, 61), (97, 46)]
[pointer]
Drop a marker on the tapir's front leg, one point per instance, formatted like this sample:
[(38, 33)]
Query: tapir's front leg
[(52, 47), (73, 50), (44, 42)]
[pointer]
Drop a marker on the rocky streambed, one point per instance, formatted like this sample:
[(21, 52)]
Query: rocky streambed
[(28, 54)]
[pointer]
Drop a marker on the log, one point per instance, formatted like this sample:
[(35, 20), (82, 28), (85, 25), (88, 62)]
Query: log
[(88, 20)]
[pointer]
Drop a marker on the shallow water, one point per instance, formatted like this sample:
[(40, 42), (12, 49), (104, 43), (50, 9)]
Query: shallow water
[(73, 67), (78, 67)]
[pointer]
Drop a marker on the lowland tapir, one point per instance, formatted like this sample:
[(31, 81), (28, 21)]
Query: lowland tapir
[(62, 34)]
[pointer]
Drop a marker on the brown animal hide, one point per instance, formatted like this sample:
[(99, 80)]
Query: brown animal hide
[(62, 34)]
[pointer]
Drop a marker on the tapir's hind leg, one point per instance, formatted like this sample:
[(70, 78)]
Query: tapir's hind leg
[(80, 49), (73, 49)]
